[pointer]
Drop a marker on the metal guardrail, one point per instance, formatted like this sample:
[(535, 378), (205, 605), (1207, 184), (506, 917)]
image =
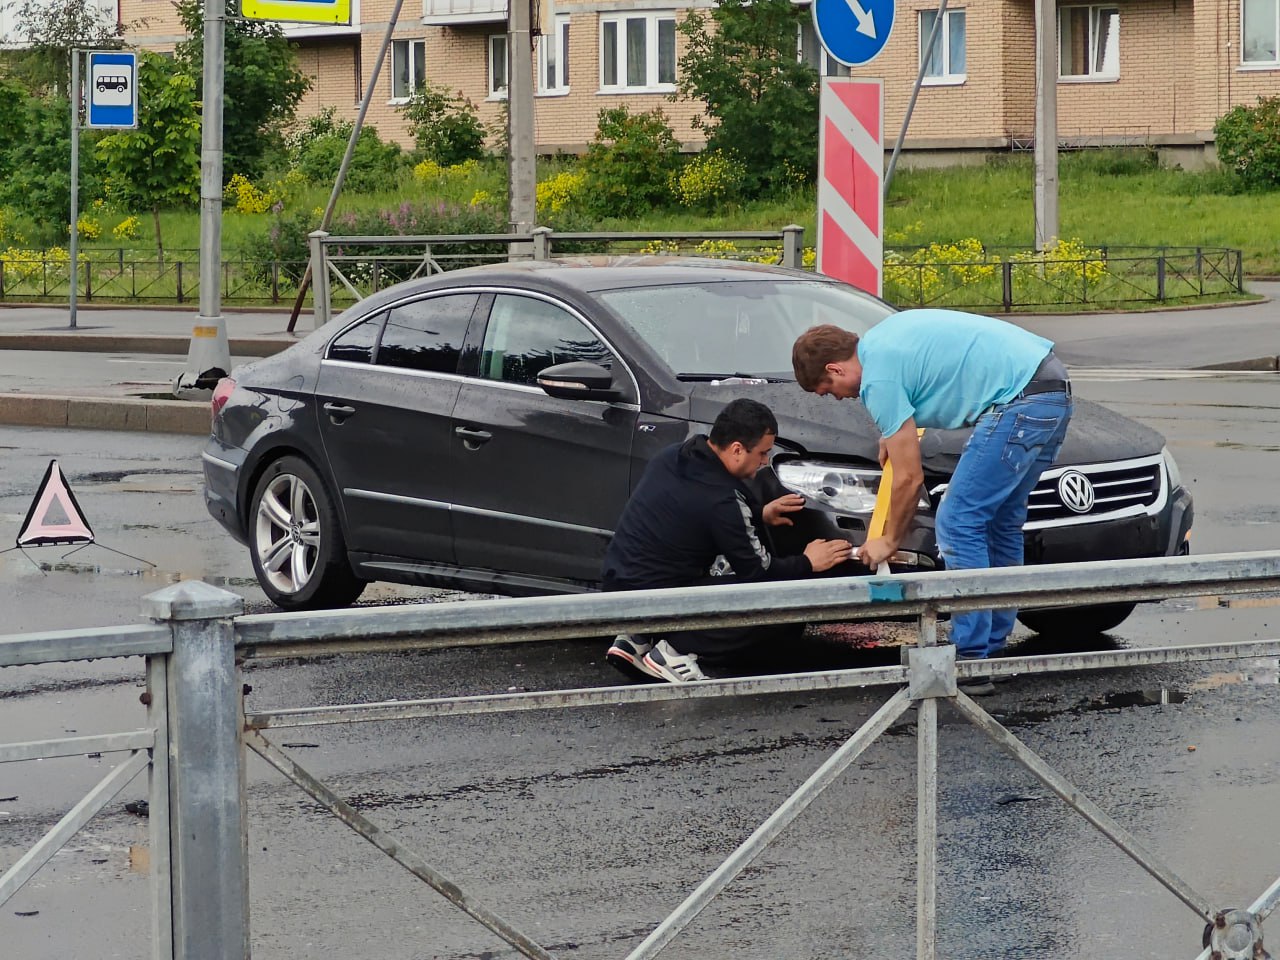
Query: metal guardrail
[(195, 697)]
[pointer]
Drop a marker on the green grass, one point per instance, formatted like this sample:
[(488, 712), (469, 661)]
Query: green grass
[(1106, 198)]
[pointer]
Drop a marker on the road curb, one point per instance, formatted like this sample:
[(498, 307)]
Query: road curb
[(105, 413), (138, 343), (1271, 364)]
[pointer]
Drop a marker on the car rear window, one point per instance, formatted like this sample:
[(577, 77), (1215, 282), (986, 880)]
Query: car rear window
[(738, 326)]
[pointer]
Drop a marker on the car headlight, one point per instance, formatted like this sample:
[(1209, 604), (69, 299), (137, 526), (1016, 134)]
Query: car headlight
[(834, 486), (1171, 467)]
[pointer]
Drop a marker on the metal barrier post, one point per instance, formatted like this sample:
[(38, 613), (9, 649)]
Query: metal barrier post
[(320, 278), (541, 243), (793, 246), (1160, 277), (926, 661), (209, 870)]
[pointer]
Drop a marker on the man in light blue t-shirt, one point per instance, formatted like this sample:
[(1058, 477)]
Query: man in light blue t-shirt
[(945, 369)]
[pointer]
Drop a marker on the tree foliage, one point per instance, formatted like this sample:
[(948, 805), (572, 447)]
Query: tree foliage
[(1248, 143), (262, 86), (49, 32), (445, 126), (35, 169), (761, 101), (629, 163), (158, 164)]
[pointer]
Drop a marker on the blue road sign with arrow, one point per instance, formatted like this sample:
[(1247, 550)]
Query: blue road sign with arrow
[(112, 90), (853, 31)]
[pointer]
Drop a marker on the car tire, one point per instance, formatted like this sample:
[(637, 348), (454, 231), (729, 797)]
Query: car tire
[(295, 540), (1076, 621)]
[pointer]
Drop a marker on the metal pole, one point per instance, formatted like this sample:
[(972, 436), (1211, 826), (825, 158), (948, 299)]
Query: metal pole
[(329, 207), (927, 808), (209, 354), (522, 173), (1046, 140), (157, 701), (915, 92), (75, 178), (320, 303), (208, 864), (778, 821)]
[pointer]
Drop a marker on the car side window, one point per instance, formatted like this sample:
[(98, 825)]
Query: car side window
[(356, 344), (427, 334), (525, 336)]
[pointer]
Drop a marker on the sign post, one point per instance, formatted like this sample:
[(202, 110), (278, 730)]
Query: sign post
[(851, 143)]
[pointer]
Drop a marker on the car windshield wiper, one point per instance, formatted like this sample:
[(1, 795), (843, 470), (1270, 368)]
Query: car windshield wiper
[(702, 377)]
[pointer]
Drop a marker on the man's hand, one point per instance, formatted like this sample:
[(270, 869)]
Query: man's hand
[(825, 554), (775, 511), (877, 551)]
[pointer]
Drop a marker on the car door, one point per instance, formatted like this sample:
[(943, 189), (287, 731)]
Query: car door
[(385, 395), (541, 481)]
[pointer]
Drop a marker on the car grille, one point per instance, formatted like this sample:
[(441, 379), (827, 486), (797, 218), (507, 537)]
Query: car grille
[(1120, 488)]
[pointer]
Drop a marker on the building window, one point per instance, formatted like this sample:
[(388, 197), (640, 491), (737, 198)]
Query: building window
[(497, 65), (1089, 42), (809, 49), (408, 67), (553, 57), (945, 61), (1260, 31), (638, 51)]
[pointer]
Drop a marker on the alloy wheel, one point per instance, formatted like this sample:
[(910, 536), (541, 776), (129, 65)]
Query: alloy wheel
[(287, 533)]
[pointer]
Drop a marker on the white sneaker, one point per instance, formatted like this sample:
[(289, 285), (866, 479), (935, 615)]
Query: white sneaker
[(627, 654), (674, 667)]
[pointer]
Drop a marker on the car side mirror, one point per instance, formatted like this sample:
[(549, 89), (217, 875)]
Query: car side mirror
[(578, 380)]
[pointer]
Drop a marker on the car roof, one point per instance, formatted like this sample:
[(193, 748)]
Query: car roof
[(593, 273)]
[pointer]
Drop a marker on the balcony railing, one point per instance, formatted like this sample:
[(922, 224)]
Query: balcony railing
[(463, 11)]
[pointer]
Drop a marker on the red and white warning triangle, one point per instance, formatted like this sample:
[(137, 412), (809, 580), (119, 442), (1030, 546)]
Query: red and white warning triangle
[(54, 517)]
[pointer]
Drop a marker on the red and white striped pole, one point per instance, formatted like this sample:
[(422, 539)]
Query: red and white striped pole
[(851, 182)]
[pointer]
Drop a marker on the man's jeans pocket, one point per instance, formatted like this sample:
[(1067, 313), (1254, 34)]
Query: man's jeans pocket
[(1027, 437)]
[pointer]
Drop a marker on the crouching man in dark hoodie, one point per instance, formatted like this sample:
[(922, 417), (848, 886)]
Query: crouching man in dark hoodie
[(690, 509)]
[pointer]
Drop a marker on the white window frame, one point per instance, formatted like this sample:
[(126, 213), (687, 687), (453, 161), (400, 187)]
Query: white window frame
[(1275, 38), (498, 91), (556, 46), (417, 51), (809, 49), (948, 76), (652, 19), (1095, 11)]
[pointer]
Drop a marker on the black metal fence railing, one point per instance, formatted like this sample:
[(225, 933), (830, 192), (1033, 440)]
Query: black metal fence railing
[(987, 279)]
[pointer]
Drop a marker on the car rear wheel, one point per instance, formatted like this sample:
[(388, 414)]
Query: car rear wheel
[(296, 542), (1076, 621)]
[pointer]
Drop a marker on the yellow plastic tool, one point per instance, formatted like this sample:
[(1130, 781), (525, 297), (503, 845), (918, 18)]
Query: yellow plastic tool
[(880, 512)]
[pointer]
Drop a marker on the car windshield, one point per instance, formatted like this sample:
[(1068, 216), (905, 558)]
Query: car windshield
[(739, 327)]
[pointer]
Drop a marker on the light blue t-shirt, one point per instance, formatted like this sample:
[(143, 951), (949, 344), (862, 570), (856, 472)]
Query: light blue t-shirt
[(943, 367)]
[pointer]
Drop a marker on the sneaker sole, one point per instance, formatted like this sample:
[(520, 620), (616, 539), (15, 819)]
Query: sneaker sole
[(631, 666), (977, 689)]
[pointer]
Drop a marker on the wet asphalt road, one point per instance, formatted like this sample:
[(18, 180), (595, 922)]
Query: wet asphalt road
[(585, 828)]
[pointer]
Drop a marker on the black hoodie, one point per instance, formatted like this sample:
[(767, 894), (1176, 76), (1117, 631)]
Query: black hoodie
[(686, 511)]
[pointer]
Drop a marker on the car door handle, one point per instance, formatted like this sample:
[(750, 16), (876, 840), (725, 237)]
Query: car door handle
[(338, 412), (473, 438)]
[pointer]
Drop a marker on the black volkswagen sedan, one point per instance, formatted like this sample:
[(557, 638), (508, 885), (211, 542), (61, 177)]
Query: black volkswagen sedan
[(482, 430)]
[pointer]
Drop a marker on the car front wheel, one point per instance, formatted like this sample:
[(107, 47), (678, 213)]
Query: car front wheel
[(1076, 621), (296, 542)]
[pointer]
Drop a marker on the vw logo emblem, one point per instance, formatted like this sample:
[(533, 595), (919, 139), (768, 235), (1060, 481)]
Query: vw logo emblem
[(1075, 491)]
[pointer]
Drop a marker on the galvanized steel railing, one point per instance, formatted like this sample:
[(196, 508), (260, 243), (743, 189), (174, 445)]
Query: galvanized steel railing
[(196, 697)]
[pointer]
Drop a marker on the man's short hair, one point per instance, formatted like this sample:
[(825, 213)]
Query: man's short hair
[(743, 421), (817, 347)]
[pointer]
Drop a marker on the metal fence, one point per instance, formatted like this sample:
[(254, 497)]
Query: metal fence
[(996, 280), (196, 725)]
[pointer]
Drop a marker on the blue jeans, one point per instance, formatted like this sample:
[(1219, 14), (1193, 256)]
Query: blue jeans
[(979, 523)]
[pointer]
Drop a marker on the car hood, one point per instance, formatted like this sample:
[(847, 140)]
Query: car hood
[(826, 426)]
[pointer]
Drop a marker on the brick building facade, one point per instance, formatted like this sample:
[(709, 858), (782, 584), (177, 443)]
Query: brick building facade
[(1131, 71)]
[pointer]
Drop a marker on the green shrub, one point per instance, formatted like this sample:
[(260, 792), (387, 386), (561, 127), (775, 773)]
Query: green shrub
[(374, 165), (286, 239), (1111, 162), (1248, 142), (712, 178), (310, 129), (629, 164), (445, 126)]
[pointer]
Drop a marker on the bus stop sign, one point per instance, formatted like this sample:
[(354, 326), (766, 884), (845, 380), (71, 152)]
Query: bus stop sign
[(853, 31), (112, 90)]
